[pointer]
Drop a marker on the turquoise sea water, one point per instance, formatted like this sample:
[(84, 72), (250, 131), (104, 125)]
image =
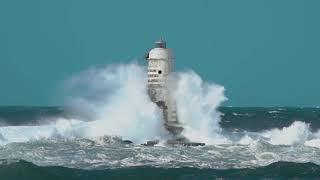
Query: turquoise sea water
[(63, 157)]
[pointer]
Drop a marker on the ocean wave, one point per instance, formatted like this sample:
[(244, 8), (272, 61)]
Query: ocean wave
[(119, 108), (27, 170), (112, 153)]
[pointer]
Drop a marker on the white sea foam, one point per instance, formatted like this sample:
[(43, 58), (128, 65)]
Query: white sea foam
[(313, 143), (115, 101), (114, 97), (296, 133), (117, 98), (197, 103), (66, 128), (246, 140)]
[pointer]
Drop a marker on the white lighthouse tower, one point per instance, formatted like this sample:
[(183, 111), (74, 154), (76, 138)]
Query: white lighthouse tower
[(160, 65), (160, 86)]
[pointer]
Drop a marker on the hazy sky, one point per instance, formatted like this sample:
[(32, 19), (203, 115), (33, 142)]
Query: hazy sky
[(265, 53)]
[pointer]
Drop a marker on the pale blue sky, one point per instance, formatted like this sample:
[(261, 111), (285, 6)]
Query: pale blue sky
[(265, 52)]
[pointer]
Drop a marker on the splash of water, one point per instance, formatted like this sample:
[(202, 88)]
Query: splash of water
[(122, 106), (197, 103), (297, 132), (114, 102), (117, 98)]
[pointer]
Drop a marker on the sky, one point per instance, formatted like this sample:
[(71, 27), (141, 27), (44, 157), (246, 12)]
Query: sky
[(264, 52)]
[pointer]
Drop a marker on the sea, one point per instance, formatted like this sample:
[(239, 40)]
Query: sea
[(295, 155), (106, 108)]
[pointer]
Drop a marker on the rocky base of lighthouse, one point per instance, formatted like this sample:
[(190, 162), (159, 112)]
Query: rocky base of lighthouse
[(173, 126)]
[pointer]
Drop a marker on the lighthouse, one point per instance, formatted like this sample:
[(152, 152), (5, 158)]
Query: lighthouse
[(160, 89), (160, 85)]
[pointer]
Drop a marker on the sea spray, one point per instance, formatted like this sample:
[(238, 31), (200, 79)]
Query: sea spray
[(117, 95), (197, 103), (118, 102), (60, 128), (114, 102), (297, 133)]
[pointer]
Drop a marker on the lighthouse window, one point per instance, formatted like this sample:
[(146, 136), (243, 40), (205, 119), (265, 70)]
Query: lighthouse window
[(159, 72), (153, 75), (154, 80), (152, 70)]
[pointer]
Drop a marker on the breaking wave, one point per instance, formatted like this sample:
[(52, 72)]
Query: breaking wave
[(298, 133), (197, 103), (114, 102)]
